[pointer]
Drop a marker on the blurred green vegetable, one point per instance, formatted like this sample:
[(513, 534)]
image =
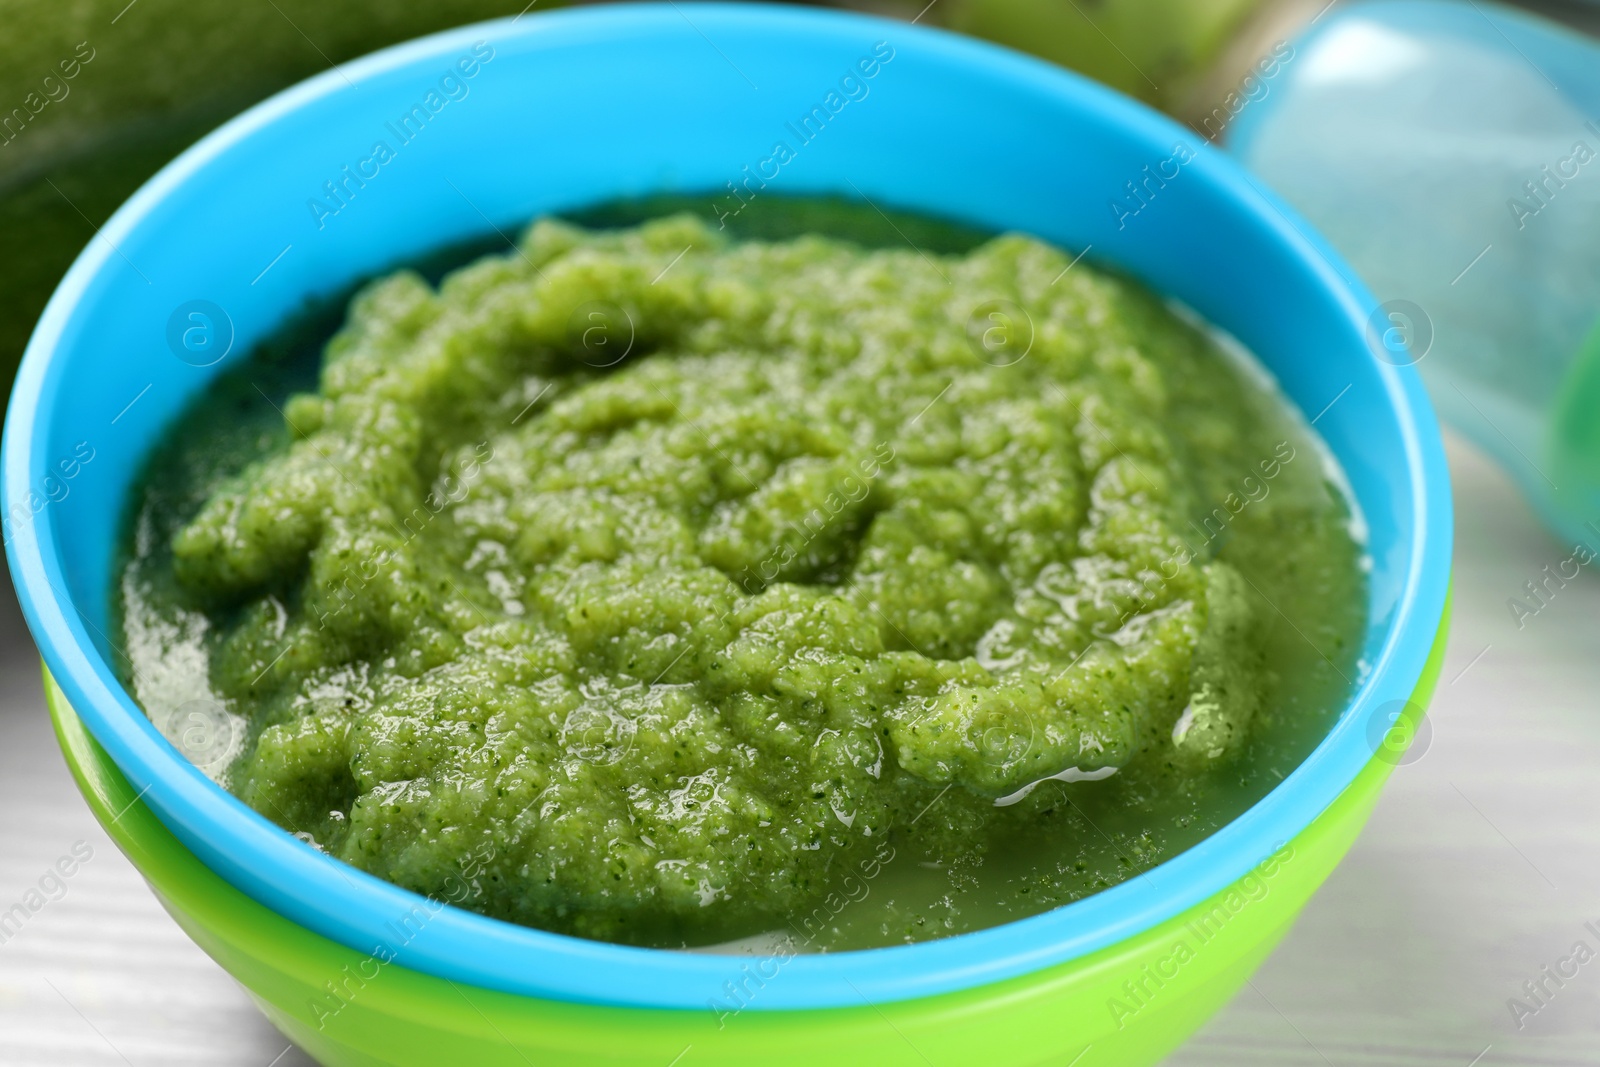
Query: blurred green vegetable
[(1156, 50), (95, 96)]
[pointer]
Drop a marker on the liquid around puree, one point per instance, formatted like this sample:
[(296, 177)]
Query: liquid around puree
[(654, 585)]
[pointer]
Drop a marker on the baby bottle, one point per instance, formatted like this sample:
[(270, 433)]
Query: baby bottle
[(1450, 151)]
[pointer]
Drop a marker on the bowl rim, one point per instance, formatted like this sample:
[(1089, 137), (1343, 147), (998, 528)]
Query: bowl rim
[(349, 905)]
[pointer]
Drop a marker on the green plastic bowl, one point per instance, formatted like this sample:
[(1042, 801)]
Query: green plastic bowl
[(1126, 1005)]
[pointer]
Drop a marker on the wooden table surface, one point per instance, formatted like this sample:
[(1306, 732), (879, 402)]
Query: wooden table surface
[(1480, 867)]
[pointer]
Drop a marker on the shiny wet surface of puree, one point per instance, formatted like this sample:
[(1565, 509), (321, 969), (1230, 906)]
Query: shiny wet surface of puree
[(675, 586)]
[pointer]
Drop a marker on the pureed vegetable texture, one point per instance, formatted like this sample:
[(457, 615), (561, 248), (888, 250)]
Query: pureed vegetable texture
[(675, 588)]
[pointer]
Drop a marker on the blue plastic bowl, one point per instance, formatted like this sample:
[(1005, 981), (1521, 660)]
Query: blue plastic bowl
[(506, 120)]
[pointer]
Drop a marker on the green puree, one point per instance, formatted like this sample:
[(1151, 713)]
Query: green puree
[(660, 586)]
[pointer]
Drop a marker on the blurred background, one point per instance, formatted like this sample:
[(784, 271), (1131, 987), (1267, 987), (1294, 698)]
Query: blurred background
[(155, 75), (1480, 869)]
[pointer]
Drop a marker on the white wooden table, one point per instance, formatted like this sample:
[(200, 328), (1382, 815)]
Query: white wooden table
[(1481, 865)]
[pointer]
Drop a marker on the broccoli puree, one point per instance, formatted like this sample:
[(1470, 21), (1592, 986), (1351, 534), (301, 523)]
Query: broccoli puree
[(678, 586)]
